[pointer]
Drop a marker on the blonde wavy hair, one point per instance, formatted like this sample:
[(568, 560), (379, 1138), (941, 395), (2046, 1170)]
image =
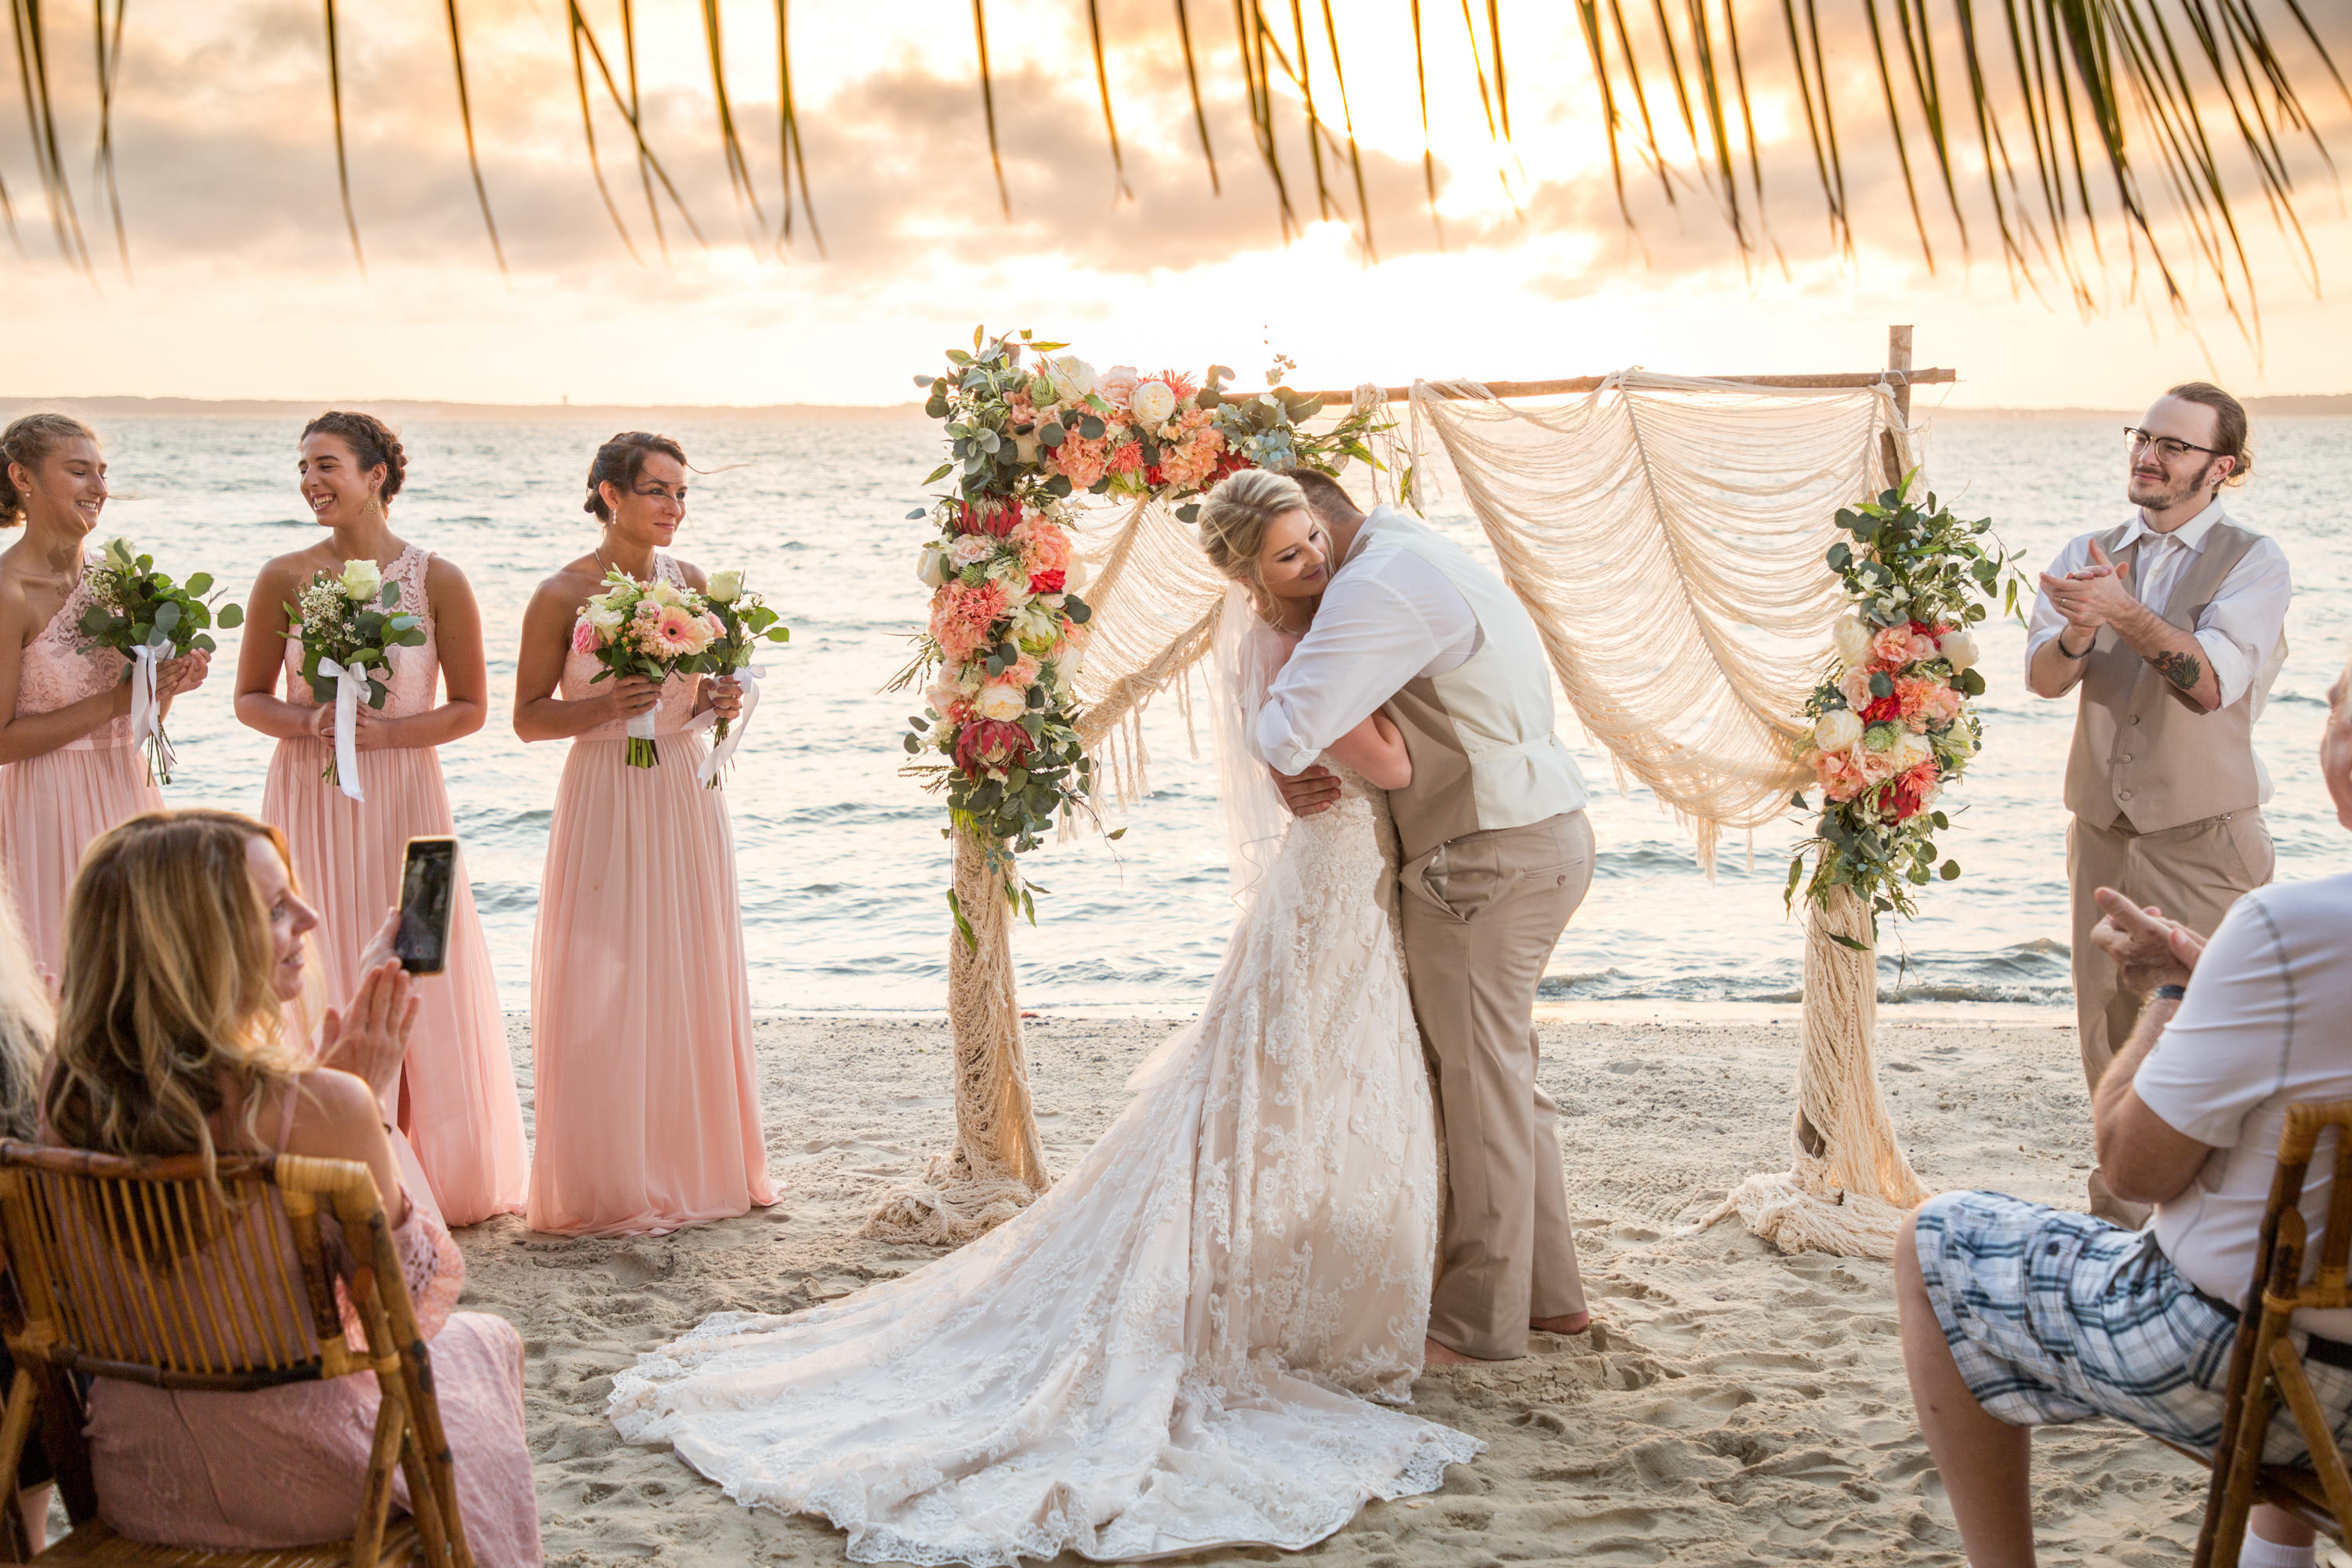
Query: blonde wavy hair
[(170, 1001), (27, 1020), (1234, 520)]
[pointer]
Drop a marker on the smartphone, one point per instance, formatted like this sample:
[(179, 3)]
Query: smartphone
[(428, 887)]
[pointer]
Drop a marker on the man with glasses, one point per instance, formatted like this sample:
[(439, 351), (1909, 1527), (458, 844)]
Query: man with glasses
[(2172, 624)]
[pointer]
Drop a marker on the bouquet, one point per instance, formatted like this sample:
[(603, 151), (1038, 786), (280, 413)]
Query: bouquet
[(1891, 726), (345, 622), (654, 629), (145, 617), (744, 622)]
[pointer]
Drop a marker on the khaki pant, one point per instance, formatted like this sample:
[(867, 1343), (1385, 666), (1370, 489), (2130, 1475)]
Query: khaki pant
[(2193, 873), (1479, 916)]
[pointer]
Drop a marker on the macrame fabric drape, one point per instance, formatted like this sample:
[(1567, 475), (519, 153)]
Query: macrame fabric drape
[(1667, 536)]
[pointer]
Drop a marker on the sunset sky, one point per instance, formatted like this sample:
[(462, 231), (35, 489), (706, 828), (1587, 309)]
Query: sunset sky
[(244, 284)]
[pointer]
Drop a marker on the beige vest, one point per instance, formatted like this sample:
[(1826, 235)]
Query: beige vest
[(1483, 754), (2143, 750)]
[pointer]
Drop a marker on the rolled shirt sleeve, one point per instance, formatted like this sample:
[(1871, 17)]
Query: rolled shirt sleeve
[(2246, 623), (1386, 619)]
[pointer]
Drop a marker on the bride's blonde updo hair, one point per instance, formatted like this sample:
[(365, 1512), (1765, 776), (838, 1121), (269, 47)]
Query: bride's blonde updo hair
[(1235, 515)]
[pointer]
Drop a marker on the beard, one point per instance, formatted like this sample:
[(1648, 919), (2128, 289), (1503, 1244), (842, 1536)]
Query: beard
[(2161, 493)]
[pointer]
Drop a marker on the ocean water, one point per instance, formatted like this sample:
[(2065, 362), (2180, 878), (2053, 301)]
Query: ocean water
[(841, 860)]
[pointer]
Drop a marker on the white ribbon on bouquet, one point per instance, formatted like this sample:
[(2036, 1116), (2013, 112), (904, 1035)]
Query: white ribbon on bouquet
[(748, 679), (351, 683), (146, 713)]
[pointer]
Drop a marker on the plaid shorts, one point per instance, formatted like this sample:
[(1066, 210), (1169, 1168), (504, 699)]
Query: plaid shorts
[(2055, 1317)]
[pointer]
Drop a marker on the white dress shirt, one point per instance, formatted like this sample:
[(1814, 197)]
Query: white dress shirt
[(1388, 617), (2267, 1022), (2242, 631)]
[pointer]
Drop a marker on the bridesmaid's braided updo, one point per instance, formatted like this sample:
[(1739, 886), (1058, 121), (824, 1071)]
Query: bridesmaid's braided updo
[(29, 441), (372, 442), (620, 460)]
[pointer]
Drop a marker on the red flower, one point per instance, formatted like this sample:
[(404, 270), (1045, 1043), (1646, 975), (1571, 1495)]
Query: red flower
[(1928, 629), (997, 517), (1048, 582), (1884, 710), (988, 743), (1908, 792)]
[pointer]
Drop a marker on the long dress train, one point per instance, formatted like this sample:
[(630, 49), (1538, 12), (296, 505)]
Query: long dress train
[(1179, 1346), (52, 805), (646, 1092), (458, 1103)]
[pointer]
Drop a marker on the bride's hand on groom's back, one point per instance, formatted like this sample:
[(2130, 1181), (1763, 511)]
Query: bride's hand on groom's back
[(1316, 789)]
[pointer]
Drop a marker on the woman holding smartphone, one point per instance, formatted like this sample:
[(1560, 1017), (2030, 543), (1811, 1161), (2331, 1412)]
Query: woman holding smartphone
[(457, 1101), (647, 1097)]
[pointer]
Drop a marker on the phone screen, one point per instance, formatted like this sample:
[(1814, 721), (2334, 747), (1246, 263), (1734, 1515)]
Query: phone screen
[(427, 887)]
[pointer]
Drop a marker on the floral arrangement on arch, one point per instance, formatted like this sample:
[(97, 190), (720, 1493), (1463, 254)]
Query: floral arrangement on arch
[(1030, 428), (1892, 725)]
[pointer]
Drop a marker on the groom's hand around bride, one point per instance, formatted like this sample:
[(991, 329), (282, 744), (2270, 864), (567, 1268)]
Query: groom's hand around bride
[(1316, 789)]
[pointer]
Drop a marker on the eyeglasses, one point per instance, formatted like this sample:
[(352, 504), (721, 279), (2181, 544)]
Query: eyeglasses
[(2170, 450)]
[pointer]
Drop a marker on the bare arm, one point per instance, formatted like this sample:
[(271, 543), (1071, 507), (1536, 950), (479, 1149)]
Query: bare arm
[(2100, 597), (37, 734), (1376, 750), (336, 1117), (2053, 672), (539, 713)]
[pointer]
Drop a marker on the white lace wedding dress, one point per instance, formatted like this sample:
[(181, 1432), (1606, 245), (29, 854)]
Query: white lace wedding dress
[(1194, 1340)]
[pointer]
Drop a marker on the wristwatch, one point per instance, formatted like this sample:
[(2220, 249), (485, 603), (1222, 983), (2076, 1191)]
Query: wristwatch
[(2167, 993)]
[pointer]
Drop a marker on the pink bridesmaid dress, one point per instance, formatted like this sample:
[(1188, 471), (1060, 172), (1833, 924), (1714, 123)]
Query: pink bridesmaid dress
[(52, 805), (457, 1102), (648, 1100)]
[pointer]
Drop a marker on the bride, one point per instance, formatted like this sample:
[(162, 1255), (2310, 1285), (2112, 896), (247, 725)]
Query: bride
[(1197, 1339)]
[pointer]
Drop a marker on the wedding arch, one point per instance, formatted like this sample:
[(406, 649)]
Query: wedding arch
[(1673, 539)]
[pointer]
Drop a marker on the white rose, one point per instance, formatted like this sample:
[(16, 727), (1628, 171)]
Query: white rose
[(1853, 633), (726, 587), (1958, 649), (1002, 699), (363, 581), (1073, 377), (665, 593), (931, 566), (119, 554), (1837, 729), (970, 550), (1909, 750), (604, 618), (1154, 403)]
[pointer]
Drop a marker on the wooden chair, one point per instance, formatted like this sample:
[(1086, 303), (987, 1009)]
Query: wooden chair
[(134, 1269), (2264, 1367)]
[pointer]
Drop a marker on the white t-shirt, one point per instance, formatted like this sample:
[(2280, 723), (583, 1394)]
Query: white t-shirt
[(2267, 1023)]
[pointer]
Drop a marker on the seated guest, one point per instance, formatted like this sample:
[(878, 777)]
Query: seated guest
[(24, 1022), (184, 936), (2016, 1316)]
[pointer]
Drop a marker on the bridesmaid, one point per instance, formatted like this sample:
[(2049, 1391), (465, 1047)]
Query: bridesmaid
[(458, 1103), (73, 771), (648, 1102)]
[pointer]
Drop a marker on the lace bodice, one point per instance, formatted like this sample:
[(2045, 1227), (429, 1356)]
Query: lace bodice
[(60, 669), (413, 674), (677, 693), (1355, 791)]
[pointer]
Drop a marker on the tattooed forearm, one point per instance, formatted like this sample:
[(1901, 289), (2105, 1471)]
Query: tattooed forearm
[(2183, 670)]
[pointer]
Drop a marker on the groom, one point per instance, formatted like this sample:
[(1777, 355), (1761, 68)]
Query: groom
[(1497, 855)]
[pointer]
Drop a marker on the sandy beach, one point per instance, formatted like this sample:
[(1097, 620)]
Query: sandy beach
[(1731, 1405)]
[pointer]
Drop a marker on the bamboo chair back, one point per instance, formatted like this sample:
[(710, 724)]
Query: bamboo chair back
[(2265, 1369), (145, 1270)]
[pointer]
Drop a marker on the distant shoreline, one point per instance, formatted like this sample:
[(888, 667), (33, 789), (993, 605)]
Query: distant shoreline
[(397, 409)]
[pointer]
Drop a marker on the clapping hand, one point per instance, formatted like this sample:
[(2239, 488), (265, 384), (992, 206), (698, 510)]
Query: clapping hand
[(2093, 596), (2149, 950), (369, 1036)]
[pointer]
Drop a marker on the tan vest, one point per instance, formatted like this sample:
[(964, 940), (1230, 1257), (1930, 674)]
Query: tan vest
[(1480, 735), (2143, 749)]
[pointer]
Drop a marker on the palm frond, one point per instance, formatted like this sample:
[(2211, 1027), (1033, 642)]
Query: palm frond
[(648, 162), (575, 25), (791, 154), (40, 123), (1348, 117), (988, 105), (1428, 153), (108, 42), (739, 168), (1192, 80), (342, 161), (644, 162), (465, 114), (1102, 80)]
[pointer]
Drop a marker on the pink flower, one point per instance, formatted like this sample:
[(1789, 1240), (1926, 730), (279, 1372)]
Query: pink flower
[(1187, 464), (677, 634), (1044, 547), (962, 616), (1925, 702), (1127, 459), (1913, 791), (1024, 673), (584, 638), (1839, 778), (1891, 646), (1082, 462), (1117, 384), (1855, 687)]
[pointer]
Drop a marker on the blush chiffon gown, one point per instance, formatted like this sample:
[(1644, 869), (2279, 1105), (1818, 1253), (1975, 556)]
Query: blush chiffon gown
[(457, 1102), (52, 805), (646, 1092)]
